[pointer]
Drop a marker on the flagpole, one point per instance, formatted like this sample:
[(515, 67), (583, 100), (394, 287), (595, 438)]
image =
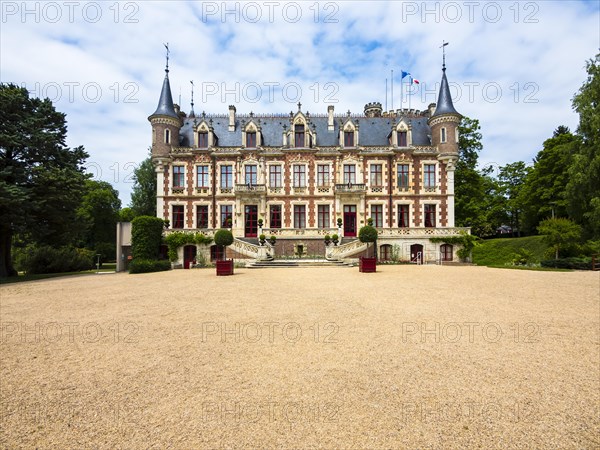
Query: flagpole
[(401, 89), (410, 83)]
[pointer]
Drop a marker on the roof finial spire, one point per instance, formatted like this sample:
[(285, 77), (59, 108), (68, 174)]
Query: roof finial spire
[(167, 66), (192, 114), (443, 47)]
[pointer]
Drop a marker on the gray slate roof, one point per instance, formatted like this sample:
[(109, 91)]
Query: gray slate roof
[(373, 131)]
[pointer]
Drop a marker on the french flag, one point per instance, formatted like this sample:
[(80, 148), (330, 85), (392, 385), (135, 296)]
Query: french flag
[(414, 80)]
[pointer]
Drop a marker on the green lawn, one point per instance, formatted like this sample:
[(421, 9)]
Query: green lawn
[(499, 252)]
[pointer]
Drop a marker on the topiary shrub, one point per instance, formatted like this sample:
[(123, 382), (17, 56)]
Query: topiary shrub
[(367, 234), (146, 237), (148, 265), (223, 238)]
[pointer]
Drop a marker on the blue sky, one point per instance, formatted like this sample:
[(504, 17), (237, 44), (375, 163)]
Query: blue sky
[(515, 66)]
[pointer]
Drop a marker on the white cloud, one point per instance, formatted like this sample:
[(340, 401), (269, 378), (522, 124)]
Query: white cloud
[(534, 49)]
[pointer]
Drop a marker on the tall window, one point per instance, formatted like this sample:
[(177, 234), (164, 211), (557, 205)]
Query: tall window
[(177, 216), (402, 175), (443, 135), (403, 220), (299, 216), (167, 136), (251, 139), (323, 175), (275, 176), (323, 216), (348, 138), (202, 176), (226, 216), (250, 175), (202, 216), (446, 251), (299, 135), (299, 175), (430, 216), (203, 140), (178, 176), (376, 175), (377, 215), (429, 175), (349, 174), (226, 177), (402, 139), (275, 216)]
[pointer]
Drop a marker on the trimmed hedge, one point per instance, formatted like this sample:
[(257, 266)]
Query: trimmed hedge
[(148, 265), (146, 237), (569, 263), (46, 259)]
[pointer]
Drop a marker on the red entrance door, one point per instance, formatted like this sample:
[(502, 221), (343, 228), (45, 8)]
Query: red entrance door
[(349, 220), (250, 221), (189, 254)]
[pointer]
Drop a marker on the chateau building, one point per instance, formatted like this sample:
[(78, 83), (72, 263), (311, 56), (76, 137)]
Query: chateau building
[(301, 176)]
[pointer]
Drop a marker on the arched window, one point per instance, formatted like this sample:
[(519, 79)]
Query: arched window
[(443, 135), (299, 135)]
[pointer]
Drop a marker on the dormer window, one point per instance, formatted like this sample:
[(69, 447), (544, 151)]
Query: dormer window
[(167, 136), (299, 135), (443, 135), (251, 139), (348, 138), (402, 139), (203, 140)]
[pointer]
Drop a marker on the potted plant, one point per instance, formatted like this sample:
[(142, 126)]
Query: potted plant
[(260, 223), (368, 234), (223, 238), (335, 239), (339, 222), (327, 240), (273, 239), (262, 238)]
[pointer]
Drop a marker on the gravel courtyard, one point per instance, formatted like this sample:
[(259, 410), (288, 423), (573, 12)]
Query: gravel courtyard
[(429, 357)]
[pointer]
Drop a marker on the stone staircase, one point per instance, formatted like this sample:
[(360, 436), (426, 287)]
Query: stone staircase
[(282, 263)]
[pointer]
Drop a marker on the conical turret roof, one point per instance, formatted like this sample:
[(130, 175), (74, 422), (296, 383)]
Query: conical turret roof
[(165, 103), (444, 103)]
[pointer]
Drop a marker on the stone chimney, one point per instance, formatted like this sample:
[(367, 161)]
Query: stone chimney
[(231, 118), (330, 109), (373, 109)]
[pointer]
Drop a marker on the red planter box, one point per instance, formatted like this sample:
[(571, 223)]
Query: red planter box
[(367, 264), (225, 267)]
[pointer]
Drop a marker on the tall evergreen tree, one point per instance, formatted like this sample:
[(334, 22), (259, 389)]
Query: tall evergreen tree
[(543, 193), (583, 187), (41, 180), (143, 196), (511, 179)]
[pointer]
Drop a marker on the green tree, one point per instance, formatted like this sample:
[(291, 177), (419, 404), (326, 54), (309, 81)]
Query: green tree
[(583, 187), (41, 180), (126, 215), (511, 179), (367, 235), (543, 192), (560, 234), (99, 210), (143, 195), (477, 200)]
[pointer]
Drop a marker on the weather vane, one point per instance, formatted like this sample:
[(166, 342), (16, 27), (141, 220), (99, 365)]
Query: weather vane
[(192, 83), (443, 47), (167, 47)]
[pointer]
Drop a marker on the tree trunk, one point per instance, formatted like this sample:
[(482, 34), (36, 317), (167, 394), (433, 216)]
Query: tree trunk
[(6, 268), (556, 253)]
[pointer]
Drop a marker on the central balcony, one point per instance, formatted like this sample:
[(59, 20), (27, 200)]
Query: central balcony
[(350, 188), (250, 189)]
